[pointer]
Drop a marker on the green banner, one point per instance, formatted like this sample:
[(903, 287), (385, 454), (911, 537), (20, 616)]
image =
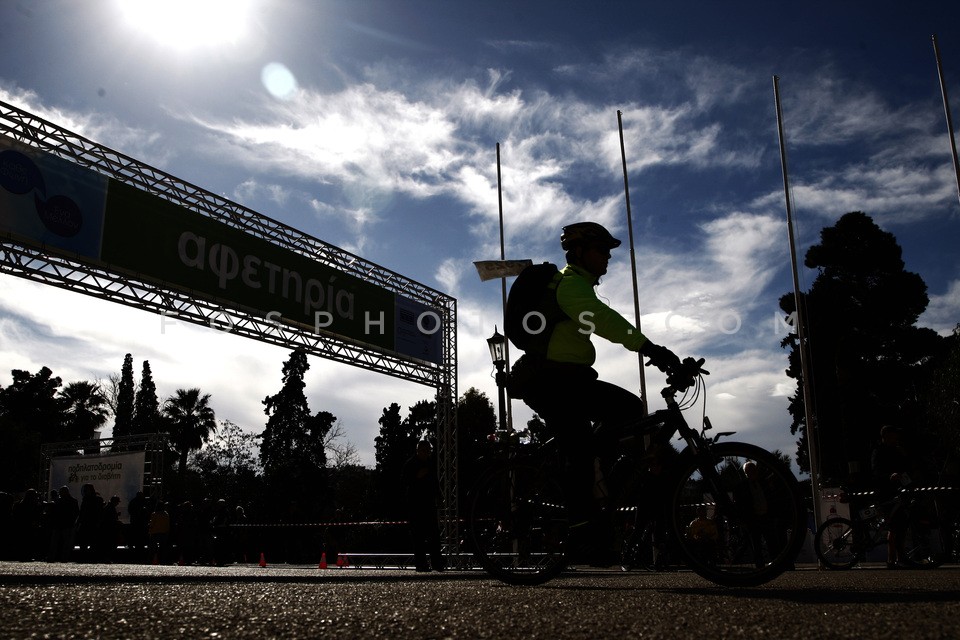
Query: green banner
[(59, 206), (149, 236)]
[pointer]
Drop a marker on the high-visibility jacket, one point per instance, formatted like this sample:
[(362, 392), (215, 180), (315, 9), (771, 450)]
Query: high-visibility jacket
[(586, 315)]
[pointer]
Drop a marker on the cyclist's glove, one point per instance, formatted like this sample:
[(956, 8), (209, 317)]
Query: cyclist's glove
[(660, 357)]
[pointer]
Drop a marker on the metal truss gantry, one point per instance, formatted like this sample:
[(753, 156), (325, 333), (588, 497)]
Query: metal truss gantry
[(35, 263)]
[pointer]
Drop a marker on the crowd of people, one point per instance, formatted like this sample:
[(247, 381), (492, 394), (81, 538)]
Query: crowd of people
[(62, 527)]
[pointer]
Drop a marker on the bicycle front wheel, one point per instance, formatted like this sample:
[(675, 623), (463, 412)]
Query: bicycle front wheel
[(736, 515), (517, 523), (834, 544)]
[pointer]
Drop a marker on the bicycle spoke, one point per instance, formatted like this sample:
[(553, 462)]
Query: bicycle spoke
[(517, 524), (734, 530)]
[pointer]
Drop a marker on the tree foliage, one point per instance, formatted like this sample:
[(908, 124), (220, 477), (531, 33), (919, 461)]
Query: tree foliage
[(393, 447), (31, 401), (146, 405), (85, 410), (476, 421), (867, 359), (190, 422), (292, 445), (30, 414), (123, 412), (942, 402), (227, 464)]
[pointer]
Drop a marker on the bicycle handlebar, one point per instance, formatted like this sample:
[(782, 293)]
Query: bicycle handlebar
[(685, 376)]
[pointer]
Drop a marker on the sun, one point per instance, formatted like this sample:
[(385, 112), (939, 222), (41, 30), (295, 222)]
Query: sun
[(189, 24)]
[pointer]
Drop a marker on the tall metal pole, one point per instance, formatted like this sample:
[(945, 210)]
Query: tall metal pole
[(633, 259), (503, 295), (812, 448), (946, 110)]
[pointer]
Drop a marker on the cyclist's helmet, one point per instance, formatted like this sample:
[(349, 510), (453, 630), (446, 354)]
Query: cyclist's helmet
[(581, 233)]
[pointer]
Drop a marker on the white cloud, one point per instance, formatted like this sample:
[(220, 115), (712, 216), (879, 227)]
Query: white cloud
[(943, 311)]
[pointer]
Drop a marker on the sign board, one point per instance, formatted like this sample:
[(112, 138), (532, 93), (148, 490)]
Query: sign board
[(59, 206), (111, 474)]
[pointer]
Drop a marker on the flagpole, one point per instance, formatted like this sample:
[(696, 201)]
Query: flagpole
[(633, 259), (503, 293), (946, 110), (812, 447)]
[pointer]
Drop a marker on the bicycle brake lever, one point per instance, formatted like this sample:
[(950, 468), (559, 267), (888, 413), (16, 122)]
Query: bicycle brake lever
[(700, 367)]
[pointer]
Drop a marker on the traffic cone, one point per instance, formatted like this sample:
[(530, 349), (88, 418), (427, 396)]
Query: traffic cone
[(340, 561), (263, 560), (346, 561), (323, 561)]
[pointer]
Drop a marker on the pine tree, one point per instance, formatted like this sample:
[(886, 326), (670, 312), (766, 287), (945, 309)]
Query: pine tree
[(476, 421), (393, 447), (292, 444), (146, 406), (123, 415), (288, 415), (421, 422), (867, 357)]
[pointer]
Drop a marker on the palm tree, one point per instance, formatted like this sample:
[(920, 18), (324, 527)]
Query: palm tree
[(85, 409), (190, 422)]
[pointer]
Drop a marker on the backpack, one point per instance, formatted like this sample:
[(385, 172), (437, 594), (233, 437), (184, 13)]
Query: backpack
[(532, 309)]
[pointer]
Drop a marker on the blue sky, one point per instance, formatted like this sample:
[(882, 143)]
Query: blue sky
[(373, 126)]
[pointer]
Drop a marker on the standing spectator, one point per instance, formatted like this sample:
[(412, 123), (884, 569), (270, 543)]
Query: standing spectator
[(63, 521), (139, 519), (218, 534), (27, 516), (7, 550), (88, 523), (891, 466), (159, 531), (185, 529), (109, 529), (240, 535), (422, 491)]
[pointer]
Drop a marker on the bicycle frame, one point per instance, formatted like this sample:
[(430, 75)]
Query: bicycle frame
[(520, 525)]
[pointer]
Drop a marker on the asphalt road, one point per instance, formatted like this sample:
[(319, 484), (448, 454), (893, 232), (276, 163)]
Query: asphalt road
[(40, 600)]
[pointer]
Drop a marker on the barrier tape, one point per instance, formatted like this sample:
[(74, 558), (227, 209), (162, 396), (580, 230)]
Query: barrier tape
[(870, 493), (320, 524)]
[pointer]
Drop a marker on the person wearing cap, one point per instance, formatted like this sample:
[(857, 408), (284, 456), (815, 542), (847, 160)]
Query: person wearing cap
[(565, 390)]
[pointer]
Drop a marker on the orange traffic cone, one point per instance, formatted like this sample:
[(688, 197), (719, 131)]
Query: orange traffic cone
[(263, 560), (339, 561), (323, 561)]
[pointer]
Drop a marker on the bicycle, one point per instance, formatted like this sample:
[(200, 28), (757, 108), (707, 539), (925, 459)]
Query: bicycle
[(518, 526), (843, 543), (645, 546)]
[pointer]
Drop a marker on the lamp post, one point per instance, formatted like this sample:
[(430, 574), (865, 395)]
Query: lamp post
[(498, 353)]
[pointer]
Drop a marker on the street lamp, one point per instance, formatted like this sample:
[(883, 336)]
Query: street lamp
[(497, 344)]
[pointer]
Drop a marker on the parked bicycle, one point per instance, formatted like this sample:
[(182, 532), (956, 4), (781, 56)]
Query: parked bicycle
[(517, 517), (645, 545), (843, 543)]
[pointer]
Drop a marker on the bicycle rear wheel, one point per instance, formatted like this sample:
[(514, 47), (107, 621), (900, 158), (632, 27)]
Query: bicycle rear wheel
[(834, 544), (517, 523), (757, 526)]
